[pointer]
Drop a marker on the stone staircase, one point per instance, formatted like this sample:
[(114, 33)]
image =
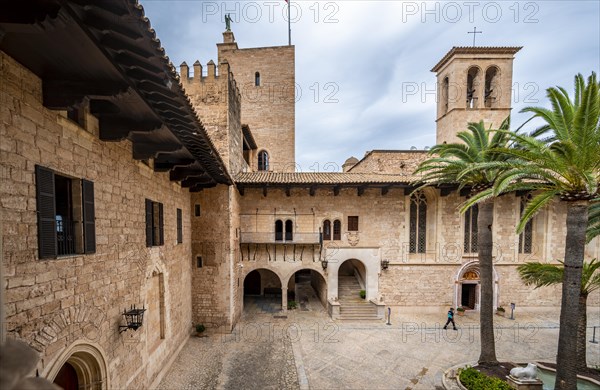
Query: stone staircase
[(352, 306)]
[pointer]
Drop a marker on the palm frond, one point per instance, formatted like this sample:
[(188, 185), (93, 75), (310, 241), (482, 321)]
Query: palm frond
[(540, 274)]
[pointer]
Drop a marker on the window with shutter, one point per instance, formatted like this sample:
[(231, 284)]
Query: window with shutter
[(278, 230), (66, 215), (46, 211), (289, 230), (155, 234), (179, 227), (89, 217), (327, 230), (149, 223), (353, 224), (337, 229), (161, 228)]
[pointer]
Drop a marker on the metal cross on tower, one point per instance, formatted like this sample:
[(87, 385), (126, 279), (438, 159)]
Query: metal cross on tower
[(474, 32)]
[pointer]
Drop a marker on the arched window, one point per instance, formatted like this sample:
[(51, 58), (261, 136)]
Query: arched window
[(327, 230), (289, 230), (491, 86), (526, 236), (257, 79), (337, 229), (278, 230), (470, 241), (418, 223), (263, 161), (472, 82), (445, 92)]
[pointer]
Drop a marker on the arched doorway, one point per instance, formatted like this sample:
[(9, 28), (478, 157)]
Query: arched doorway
[(262, 292), (467, 291), (308, 289), (81, 366), (352, 278), (67, 378), (252, 283)]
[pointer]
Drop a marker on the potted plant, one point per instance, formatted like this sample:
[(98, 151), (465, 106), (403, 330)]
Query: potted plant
[(292, 305), (500, 311), (460, 310), (363, 294), (200, 328)]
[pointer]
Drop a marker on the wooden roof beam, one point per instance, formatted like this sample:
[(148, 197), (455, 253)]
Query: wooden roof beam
[(62, 94), (144, 151)]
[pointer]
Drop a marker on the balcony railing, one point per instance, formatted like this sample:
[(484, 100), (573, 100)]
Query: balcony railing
[(279, 238), (65, 237)]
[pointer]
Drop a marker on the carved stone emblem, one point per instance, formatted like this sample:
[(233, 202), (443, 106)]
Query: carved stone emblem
[(353, 238)]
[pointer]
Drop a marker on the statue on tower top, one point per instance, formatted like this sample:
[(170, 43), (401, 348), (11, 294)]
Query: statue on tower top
[(228, 22)]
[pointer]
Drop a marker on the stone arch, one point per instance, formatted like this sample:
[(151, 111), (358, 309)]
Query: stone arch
[(89, 362), (445, 94), (467, 279), (492, 90), (472, 90), (318, 282), (269, 279), (356, 268)]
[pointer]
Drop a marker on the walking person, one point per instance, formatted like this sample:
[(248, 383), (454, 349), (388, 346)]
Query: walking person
[(450, 319)]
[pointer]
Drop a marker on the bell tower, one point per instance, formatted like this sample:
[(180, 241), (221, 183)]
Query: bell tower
[(474, 84)]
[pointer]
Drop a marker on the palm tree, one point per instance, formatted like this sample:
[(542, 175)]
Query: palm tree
[(447, 168), (564, 165), (540, 275)]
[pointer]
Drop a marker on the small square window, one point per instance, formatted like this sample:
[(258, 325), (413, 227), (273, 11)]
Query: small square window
[(199, 261), (197, 210), (352, 223)]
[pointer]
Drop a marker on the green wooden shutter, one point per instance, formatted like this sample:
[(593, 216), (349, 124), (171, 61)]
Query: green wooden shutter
[(89, 217), (149, 235), (179, 227), (161, 230), (46, 212)]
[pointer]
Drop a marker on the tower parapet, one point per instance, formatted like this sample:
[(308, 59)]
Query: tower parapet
[(217, 101)]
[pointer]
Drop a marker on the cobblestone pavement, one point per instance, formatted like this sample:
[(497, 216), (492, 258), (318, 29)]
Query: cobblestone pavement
[(309, 350), (257, 355)]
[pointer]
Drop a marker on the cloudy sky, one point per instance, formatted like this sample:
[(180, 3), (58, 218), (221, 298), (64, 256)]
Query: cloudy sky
[(363, 67)]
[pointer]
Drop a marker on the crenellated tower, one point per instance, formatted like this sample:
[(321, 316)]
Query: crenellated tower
[(474, 83), (217, 101)]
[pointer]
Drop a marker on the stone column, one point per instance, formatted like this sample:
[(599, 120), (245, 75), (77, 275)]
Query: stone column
[(284, 299)]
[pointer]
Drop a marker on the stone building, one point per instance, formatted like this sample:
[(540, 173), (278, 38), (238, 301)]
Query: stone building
[(123, 183)]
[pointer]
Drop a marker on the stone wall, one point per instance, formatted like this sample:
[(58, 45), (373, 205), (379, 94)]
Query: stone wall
[(55, 303), (319, 284), (390, 161), (420, 279), (210, 241)]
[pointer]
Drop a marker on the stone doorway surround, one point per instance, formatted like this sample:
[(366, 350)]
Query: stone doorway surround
[(468, 273), (370, 258), (89, 363)]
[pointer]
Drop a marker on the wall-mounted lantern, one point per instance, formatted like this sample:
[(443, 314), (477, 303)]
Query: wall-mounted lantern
[(385, 264), (134, 318)]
